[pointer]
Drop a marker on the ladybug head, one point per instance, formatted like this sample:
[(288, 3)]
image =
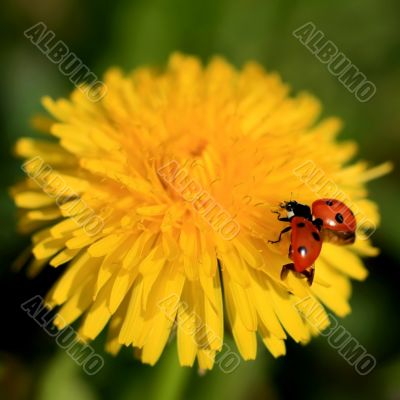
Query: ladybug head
[(289, 205), (295, 209)]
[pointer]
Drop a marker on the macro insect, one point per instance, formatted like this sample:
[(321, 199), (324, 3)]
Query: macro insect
[(327, 220)]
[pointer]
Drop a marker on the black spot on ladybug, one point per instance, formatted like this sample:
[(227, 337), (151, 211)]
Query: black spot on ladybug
[(318, 223), (302, 250), (339, 218), (316, 236), (329, 202), (301, 224)]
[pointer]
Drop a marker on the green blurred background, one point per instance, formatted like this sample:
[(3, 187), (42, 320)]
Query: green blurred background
[(130, 33)]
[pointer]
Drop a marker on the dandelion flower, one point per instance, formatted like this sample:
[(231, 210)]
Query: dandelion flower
[(158, 199)]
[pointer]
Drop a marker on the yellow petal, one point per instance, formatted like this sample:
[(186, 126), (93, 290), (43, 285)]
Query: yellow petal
[(82, 267), (289, 317), (206, 359), (343, 260), (275, 345), (245, 339), (75, 306), (33, 200)]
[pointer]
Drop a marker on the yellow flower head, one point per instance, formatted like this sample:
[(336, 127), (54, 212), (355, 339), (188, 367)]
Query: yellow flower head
[(160, 197)]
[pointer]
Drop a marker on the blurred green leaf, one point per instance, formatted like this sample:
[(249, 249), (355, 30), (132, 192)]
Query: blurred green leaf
[(249, 380), (63, 380), (170, 378)]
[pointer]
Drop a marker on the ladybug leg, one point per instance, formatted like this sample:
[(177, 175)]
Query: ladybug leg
[(283, 219), (285, 270), (287, 229), (309, 274)]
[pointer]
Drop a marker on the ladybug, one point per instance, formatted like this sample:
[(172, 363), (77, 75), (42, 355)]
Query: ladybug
[(338, 221), (305, 240), (327, 220)]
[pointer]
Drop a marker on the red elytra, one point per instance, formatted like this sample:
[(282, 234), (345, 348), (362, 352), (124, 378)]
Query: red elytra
[(338, 221), (305, 243)]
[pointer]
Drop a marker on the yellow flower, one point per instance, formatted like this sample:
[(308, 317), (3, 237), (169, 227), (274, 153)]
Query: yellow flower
[(160, 198)]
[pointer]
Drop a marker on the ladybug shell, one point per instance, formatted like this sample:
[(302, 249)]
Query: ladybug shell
[(335, 215), (305, 244)]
